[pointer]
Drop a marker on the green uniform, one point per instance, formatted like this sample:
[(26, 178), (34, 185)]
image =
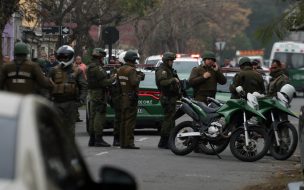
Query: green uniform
[(115, 92), (205, 87), (98, 82), (250, 80), (129, 81), (165, 77), (24, 77), (278, 80), (69, 86)]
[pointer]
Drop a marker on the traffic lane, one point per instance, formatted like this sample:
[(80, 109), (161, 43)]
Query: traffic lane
[(160, 169)]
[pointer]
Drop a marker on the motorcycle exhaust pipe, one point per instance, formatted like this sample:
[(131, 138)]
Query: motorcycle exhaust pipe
[(189, 134)]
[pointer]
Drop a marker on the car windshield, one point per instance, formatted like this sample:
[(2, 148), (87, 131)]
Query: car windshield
[(152, 61), (7, 147), (292, 60), (184, 66), (149, 80)]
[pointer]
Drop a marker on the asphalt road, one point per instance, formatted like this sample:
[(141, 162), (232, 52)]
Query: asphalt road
[(162, 170)]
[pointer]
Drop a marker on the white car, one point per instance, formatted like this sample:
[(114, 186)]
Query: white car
[(153, 59), (37, 154)]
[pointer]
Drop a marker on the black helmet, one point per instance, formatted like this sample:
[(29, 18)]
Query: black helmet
[(21, 49), (131, 56), (65, 55), (98, 52), (168, 56), (244, 61)]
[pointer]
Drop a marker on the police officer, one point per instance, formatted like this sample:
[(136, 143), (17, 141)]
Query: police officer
[(205, 77), (249, 79), (278, 78), (69, 87), (129, 80), (169, 85), (22, 76), (98, 82), (116, 94)]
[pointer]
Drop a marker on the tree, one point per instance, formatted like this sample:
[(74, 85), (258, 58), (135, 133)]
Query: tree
[(292, 19)]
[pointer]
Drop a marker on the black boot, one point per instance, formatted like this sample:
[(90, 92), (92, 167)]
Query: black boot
[(116, 141), (99, 142), (163, 142), (91, 140)]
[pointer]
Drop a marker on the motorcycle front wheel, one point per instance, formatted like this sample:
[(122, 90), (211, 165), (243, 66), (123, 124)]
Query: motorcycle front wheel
[(183, 145), (288, 138), (258, 144)]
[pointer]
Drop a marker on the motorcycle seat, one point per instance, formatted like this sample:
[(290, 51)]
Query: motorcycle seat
[(205, 107)]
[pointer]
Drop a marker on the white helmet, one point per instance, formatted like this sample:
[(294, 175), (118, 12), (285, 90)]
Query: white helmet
[(121, 57), (288, 91), (65, 55)]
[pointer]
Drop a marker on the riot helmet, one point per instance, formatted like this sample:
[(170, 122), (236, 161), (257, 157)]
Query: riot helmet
[(65, 55), (288, 91), (209, 55), (121, 57), (98, 53), (168, 56), (21, 49), (131, 56)]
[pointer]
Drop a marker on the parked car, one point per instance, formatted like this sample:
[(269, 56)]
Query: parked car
[(36, 152)]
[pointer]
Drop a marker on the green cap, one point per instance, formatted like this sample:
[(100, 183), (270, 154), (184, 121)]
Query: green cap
[(21, 49)]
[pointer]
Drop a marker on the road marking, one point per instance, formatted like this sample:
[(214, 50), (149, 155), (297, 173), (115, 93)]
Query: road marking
[(101, 153), (141, 139)]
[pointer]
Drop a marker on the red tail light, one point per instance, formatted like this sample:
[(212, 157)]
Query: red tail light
[(153, 94)]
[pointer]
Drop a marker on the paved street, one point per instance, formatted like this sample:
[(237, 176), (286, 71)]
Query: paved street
[(161, 169)]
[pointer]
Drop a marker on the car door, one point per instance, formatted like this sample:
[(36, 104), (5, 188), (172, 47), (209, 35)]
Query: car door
[(65, 168)]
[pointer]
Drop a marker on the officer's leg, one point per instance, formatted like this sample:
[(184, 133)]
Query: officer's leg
[(92, 112), (130, 125), (123, 128), (99, 122), (117, 122)]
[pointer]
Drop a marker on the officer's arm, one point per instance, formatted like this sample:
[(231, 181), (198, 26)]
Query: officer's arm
[(163, 79), (40, 78), (196, 78), (104, 80), (235, 83), (134, 78), (221, 79)]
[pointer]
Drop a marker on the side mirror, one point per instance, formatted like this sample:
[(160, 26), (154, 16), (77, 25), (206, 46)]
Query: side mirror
[(114, 178)]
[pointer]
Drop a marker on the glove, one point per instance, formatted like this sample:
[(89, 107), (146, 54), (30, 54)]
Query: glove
[(141, 75)]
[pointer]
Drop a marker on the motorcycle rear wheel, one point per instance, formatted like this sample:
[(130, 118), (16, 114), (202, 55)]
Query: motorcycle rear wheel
[(183, 145), (288, 144), (259, 143)]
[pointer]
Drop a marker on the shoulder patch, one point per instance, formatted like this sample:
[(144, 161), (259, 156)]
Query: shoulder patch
[(164, 74)]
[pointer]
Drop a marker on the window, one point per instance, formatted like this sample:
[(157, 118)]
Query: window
[(8, 127)]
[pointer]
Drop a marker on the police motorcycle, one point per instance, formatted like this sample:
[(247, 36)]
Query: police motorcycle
[(283, 135), (221, 126)]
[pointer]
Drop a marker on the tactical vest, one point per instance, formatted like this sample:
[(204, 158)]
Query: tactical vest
[(93, 71), (172, 89), (19, 77), (126, 87), (65, 84)]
